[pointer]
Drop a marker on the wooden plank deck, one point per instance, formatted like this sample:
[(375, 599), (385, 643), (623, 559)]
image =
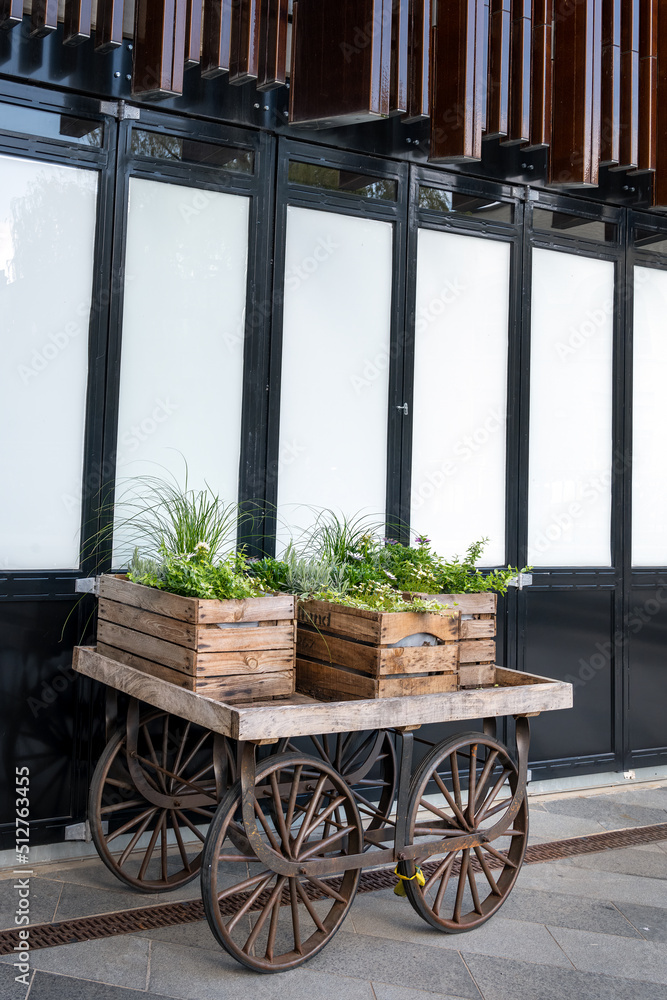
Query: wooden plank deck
[(298, 715)]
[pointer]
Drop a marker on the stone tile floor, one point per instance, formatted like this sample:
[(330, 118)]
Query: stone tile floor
[(585, 928)]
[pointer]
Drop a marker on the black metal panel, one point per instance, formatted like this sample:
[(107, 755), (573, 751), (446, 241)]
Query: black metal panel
[(647, 627), (568, 636), (42, 708)]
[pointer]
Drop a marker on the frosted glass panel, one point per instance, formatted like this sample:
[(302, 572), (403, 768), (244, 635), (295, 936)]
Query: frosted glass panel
[(47, 232), (183, 333), (460, 400), (649, 462), (336, 346), (569, 513)]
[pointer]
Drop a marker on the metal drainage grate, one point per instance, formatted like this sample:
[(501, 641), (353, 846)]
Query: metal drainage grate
[(169, 914)]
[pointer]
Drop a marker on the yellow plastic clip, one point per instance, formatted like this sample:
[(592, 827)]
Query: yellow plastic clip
[(399, 888)]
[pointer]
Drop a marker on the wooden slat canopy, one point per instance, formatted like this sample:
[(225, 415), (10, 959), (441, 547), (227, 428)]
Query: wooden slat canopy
[(587, 78)]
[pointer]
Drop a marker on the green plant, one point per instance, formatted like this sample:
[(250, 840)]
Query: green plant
[(194, 574), (377, 596)]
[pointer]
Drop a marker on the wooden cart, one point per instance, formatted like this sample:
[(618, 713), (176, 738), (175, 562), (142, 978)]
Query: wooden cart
[(192, 786)]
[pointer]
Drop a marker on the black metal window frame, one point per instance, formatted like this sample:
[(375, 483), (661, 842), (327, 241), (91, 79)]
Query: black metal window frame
[(31, 584), (342, 203)]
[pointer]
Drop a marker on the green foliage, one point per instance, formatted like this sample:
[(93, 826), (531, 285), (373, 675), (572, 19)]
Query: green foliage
[(420, 569), (194, 574), (376, 596)]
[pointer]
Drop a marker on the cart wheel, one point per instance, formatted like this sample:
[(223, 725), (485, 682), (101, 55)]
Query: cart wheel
[(466, 785), (367, 761), (267, 921), (156, 802)]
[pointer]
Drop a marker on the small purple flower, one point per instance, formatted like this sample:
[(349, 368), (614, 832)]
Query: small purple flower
[(390, 541), (422, 540)]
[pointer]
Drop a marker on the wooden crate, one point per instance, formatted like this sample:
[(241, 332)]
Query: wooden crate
[(345, 653), (236, 650), (477, 640)]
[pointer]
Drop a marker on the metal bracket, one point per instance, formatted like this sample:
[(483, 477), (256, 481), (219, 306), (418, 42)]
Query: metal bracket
[(404, 408), (81, 831), (520, 581), (87, 585), (120, 110)]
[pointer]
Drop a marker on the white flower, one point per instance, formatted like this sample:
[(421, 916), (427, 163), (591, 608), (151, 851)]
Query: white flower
[(202, 546)]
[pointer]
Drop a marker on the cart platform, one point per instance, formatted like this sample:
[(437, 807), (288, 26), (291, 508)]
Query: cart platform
[(514, 693)]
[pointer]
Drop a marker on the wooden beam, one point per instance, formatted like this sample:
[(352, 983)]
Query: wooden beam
[(457, 81), (44, 18), (272, 44), (76, 28), (611, 81), (109, 25), (419, 60), (341, 61), (629, 125), (522, 44), (541, 73), (216, 38), (575, 147), (400, 43), (648, 84), (244, 55), (159, 49), (193, 19), (498, 89), (660, 176), (11, 13)]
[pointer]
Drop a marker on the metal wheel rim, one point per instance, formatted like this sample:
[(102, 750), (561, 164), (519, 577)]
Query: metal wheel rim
[(113, 759), (274, 897), (470, 871)]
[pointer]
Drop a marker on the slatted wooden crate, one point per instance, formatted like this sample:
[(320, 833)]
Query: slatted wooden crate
[(477, 640), (345, 653), (236, 650)]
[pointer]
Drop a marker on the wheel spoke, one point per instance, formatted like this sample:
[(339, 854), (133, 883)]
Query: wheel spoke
[(444, 882), (278, 803), (243, 909), (472, 785), (445, 863), (473, 891), (296, 927), (130, 847), (294, 791), (321, 845), (151, 846), (456, 780), (312, 806), (181, 748), (119, 806), (326, 889), (153, 756), (465, 861), (450, 802), (179, 841), (487, 871), (261, 920), (198, 745), (499, 857), (493, 794), (130, 823), (484, 776), (163, 847), (321, 817), (273, 926), (309, 906), (267, 829), (197, 832), (264, 876)]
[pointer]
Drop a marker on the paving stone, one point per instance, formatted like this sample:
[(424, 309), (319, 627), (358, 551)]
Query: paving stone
[(419, 966), (650, 921), (385, 916), (626, 861), (612, 812), (118, 961), (194, 935), (566, 911), (554, 826), (197, 974), (615, 956), (47, 986), (82, 900), (9, 988), (43, 900), (501, 979), (561, 877), (386, 991)]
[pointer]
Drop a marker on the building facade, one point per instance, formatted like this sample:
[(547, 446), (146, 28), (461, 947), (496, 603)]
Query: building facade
[(427, 289)]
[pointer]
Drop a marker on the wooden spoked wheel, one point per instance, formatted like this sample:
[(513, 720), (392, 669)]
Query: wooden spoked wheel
[(150, 804), (367, 762), (305, 812), (467, 786)]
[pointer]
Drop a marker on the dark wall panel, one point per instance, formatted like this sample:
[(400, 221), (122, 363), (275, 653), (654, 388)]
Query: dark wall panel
[(567, 637), (647, 623), (38, 706)]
